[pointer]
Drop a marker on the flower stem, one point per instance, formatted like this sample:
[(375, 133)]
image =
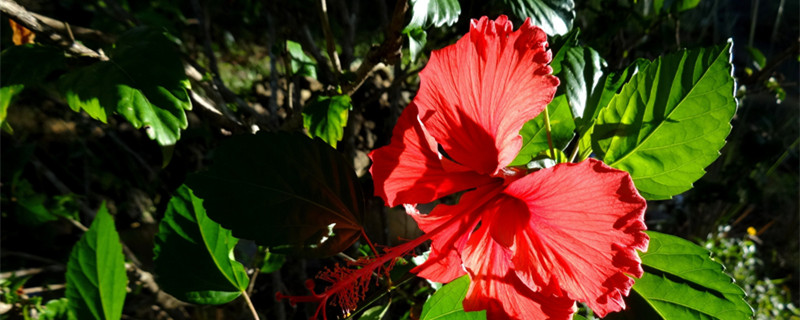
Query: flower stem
[(549, 137), (250, 305)]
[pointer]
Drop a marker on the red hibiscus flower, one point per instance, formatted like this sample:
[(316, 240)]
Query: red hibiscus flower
[(532, 244)]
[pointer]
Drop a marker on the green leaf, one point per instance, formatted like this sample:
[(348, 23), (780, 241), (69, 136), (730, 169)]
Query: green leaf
[(376, 312), (30, 208), (581, 76), (302, 64), (272, 262), (612, 82), (56, 309), (534, 135), (326, 118), (96, 281), (758, 58), (426, 13), (681, 281), (670, 121), (143, 81), (417, 38), (553, 16), (447, 303), (285, 191), (186, 234)]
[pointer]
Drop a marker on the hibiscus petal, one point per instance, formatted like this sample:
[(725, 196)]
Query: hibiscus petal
[(451, 226), (409, 169), (584, 223), (495, 287), (475, 95)]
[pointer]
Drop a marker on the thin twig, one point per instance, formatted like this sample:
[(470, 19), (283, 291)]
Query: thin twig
[(29, 21), (31, 271), (41, 289)]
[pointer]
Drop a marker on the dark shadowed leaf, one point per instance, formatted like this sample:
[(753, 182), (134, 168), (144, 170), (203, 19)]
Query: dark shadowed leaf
[(96, 281), (447, 303), (673, 6), (681, 281), (534, 135), (272, 262), (285, 191), (670, 121), (186, 234), (326, 118), (553, 16), (581, 77), (23, 66), (143, 81)]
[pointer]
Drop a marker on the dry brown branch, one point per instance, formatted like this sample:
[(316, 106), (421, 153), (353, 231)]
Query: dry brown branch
[(48, 28)]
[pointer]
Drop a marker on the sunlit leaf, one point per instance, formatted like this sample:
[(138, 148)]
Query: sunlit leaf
[(447, 303), (186, 234), (681, 281), (144, 81), (376, 312), (416, 42), (534, 135), (553, 16), (670, 121), (611, 82), (302, 64), (326, 118), (96, 281), (285, 191), (426, 13), (56, 309)]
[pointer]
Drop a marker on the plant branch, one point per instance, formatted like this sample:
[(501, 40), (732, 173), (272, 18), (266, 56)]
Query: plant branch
[(388, 51), (250, 304), (331, 44), (49, 28)]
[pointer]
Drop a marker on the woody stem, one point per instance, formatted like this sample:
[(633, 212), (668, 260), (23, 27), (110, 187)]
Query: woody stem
[(549, 137)]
